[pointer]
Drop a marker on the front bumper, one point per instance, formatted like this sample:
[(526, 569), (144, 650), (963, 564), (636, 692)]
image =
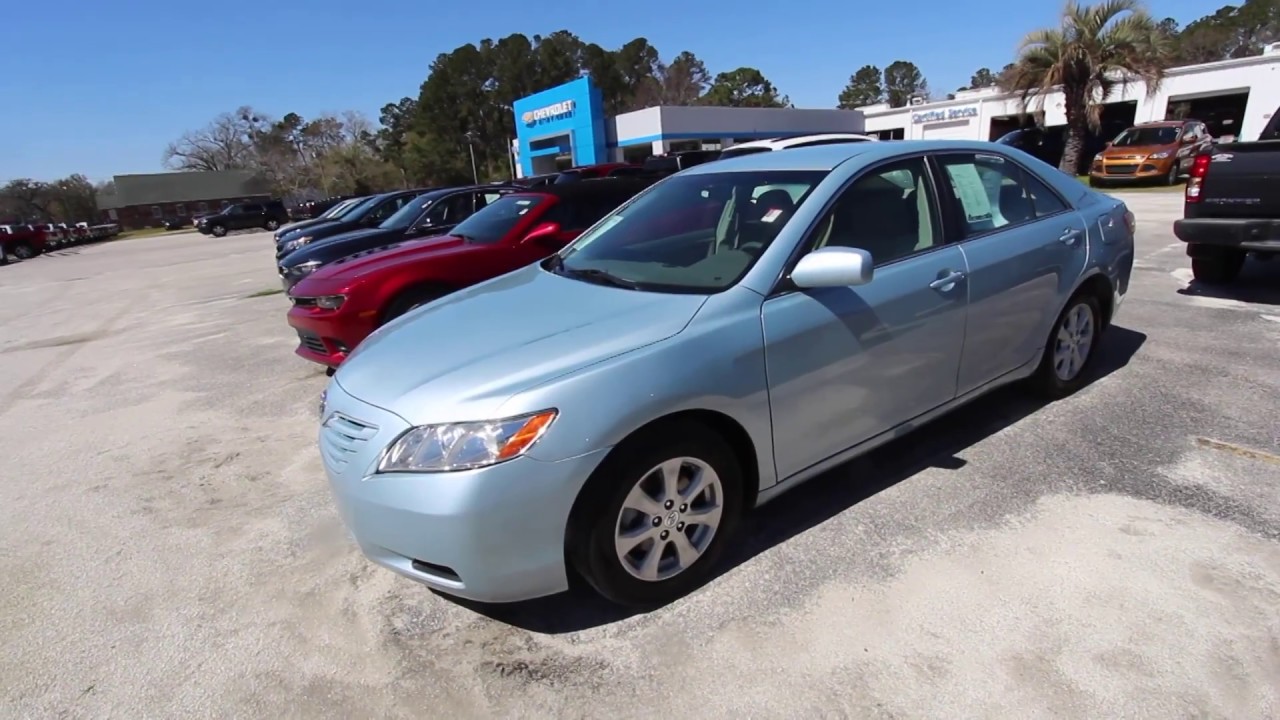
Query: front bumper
[(327, 337), (494, 534), (1130, 170), (1236, 233)]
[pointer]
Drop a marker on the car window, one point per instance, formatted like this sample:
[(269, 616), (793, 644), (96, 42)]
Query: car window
[(698, 233), (491, 224), (1046, 201), (252, 208), (889, 212), (388, 208), (990, 192), (450, 210)]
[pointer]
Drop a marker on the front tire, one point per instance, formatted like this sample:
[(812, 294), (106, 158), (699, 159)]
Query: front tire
[(22, 251), (218, 230), (1218, 269), (1071, 348), (1174, 175), (654, 519)]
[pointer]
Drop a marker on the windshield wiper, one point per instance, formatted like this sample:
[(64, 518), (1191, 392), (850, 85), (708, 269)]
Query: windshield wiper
[(602, 277)]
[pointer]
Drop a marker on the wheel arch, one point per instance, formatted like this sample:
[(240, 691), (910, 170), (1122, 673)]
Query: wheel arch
[(409, 288), (1099, 286)]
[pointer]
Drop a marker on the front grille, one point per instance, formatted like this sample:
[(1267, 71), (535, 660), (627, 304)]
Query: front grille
[(341, 438), (312, 343), (1121, 169)]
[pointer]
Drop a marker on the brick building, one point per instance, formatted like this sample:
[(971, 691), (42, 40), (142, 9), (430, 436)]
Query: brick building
[(141, 201)]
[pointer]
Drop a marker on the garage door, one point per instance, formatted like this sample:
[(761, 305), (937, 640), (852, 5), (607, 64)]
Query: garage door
[(951, 130)]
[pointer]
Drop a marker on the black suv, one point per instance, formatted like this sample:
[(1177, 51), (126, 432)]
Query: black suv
[(269, 215)]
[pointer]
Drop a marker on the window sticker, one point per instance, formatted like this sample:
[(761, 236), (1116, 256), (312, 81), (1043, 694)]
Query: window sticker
[(771, 215), (971, 191)]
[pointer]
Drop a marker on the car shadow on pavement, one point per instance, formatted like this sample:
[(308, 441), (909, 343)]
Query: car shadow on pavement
[(827, 495), (1258, 282)]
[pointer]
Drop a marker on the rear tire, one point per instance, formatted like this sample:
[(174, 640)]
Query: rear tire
[(1217, 269), (654, 519), (1071, 348)]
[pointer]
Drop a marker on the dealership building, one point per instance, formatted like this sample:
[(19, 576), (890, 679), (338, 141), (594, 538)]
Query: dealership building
[(1234, 98), (566, 125)]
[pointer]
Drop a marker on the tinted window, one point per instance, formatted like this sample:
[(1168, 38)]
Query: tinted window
[(696, 233), (252, 208), (493, 222), (568, 176), (736, 151), (385, 209), (450, 210), (888, 212), (1045, 200), (404, 217), (990, 192)]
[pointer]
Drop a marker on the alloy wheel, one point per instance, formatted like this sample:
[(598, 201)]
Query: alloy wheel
[(1074, 342), (669, 519)]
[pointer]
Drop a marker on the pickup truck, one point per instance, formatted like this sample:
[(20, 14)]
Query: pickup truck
[(21, 241), (1231, 206)]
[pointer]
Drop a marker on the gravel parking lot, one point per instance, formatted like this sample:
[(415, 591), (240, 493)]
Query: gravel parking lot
[(169, 549)]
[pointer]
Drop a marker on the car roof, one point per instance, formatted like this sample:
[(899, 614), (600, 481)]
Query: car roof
[(1164, 123), (779, 143), (827, 157), (593, 188)]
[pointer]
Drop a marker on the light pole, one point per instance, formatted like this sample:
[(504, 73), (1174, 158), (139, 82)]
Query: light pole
[(471, 148)]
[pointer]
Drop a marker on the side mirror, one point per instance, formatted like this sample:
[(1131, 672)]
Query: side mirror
[(542, 233), (833, 267)]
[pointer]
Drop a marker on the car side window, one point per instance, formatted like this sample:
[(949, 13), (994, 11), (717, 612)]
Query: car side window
[(889, 212), (1044, 199), (483, 199), (252, 209), (991, 192)]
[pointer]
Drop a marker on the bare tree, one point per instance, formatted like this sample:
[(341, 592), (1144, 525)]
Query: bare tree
[(224, 144)]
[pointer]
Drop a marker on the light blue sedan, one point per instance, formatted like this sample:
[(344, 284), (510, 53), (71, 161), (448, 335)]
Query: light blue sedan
[(737, 328)]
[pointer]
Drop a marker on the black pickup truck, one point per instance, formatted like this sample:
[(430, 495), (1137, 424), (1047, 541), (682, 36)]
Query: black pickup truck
[(1232, 205)]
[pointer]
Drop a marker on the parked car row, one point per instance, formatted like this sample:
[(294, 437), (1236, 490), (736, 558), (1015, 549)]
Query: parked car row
[(25, 241), (597, 379)]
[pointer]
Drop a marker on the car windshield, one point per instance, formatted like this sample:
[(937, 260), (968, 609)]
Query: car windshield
[(405, 216), (338, 209), (697, 233), (359, 209), (492, 222), (1134, 137)]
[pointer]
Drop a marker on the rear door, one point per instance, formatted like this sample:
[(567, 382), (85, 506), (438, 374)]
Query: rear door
[(1025, 248)]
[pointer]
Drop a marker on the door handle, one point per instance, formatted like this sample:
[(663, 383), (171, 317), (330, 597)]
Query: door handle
[(1069, 237), (946, 282)]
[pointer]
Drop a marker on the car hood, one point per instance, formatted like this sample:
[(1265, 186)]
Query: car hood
[(1126, 150), (328, 249), (379, 258), (463, 356)]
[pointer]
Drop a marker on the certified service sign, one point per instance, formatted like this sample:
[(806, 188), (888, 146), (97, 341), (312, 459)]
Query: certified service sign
[(550, 112)]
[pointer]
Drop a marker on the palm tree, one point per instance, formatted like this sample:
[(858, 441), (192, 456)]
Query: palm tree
[(1096, 49)]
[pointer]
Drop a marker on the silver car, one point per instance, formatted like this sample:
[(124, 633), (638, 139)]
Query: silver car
[(737, 328)]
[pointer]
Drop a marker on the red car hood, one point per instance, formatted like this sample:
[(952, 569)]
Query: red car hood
[(349, 269)]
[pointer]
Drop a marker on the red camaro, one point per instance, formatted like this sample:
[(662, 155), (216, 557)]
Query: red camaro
[(340, 304)]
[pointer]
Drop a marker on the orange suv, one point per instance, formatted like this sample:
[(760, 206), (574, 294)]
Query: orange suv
[(1159, 151)]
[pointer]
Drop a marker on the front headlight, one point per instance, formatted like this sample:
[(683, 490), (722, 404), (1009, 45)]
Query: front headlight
[(330, 302), (297, 243), (1097, 158), (1159, 155), (463, 446), (305, 268)]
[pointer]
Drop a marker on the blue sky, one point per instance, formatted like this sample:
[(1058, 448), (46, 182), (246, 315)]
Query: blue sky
[(100, 87)]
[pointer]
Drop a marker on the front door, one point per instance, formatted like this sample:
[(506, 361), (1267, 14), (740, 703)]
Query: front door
[(848, 363), (1025, 248)]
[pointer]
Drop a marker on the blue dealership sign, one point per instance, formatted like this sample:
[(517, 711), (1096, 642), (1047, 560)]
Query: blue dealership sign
[(566, 119)]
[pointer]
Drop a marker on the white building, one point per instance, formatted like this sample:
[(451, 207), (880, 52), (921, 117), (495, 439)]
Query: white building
[(1234, 98)]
